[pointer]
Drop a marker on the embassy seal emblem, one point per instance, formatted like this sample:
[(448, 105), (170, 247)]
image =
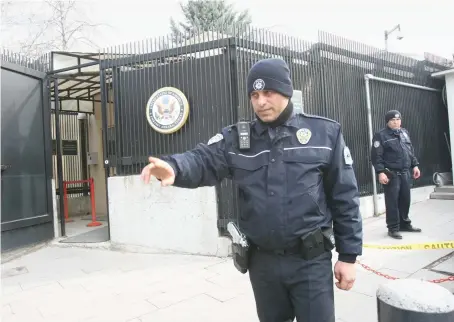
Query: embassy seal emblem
[(303, 135), (167, 110)]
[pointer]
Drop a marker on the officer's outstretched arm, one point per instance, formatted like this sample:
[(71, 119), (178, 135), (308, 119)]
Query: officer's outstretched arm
[(376, 154), (343, 200), (205, 165)]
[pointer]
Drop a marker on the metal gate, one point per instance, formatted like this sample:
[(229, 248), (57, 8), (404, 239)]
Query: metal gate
[(26, 160)]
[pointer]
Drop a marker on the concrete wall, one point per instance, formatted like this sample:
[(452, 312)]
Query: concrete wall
[(148, 218), (164, 220)]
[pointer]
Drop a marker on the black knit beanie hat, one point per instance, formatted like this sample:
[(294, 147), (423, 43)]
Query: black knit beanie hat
[(270, 74), (392, 114)]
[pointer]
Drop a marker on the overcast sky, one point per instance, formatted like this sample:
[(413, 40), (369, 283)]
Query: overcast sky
[(426, 25)]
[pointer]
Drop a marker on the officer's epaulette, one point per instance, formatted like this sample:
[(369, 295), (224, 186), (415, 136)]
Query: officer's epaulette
[(229, 128), (253, 122), (312, 116)]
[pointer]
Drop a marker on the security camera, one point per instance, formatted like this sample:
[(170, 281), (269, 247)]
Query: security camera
[(399, 35)]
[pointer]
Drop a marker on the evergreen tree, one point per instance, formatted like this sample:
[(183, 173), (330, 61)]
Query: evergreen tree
[(208, 16)]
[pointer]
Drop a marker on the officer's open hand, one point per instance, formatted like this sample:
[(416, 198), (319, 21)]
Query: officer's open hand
[(416, 173), (345, 273), (383, 178), (159, 169)]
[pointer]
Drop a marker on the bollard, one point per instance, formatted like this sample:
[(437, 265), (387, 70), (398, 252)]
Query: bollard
[(410, 300)]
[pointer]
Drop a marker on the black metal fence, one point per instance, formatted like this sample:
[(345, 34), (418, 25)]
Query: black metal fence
[(211, 67), (41, 63)]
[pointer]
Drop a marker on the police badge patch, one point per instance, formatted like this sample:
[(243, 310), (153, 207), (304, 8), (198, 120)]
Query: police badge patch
[(218, 137), (259, 84), (376, 144), (303, 135), (347, 156)]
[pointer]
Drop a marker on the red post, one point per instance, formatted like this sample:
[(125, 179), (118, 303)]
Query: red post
[(65, 203), (93, 222)]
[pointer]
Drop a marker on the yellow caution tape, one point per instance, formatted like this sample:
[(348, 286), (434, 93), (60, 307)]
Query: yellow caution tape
[(424, 246)]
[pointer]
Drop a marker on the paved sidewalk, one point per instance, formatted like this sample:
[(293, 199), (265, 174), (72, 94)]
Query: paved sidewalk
[(67, 284)]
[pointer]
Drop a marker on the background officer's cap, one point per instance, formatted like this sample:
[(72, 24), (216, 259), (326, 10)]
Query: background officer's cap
[(392, 114)]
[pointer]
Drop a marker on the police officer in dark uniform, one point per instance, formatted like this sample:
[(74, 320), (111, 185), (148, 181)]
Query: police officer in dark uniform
[(298, 195), (393, 157)]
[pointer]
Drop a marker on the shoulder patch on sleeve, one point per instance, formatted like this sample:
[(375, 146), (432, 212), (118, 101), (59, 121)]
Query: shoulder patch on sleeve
[(376, 144), (218, 137), (347, 156)]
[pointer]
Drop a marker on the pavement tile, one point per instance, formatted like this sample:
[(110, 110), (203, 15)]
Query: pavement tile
[(25, 316), (197, 308), (7, 312), (428, 275), (11, 289), (240, 308), (72, 284), (355, 307), (175, 293)]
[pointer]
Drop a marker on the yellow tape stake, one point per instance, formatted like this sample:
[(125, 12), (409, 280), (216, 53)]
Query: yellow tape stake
[(424, 246)]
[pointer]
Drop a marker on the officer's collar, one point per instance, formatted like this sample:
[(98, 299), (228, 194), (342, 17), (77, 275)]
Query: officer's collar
[(393, 131), (292, 121)]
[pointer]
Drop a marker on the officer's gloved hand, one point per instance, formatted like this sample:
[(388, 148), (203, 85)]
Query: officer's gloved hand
[(159, 169)]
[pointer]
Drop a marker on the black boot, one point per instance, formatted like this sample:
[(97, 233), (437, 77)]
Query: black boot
[(394, 234), (410, 229)]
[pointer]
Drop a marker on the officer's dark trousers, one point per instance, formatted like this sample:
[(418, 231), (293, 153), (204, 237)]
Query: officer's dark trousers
[(287, 286), (397, 201)]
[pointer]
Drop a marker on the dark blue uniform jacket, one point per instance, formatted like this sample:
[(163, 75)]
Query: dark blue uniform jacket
[(286, 187), (392, 149)]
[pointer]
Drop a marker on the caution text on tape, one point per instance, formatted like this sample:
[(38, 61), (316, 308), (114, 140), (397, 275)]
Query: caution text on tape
[(422, 246)]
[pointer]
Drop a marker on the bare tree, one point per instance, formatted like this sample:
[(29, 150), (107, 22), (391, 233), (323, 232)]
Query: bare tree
[(59, 25), (69, 31)]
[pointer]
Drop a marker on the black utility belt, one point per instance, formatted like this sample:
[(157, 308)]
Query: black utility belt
[(309, 246), (392, 172)]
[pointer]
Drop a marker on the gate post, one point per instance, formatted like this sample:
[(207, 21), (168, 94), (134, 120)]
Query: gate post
[(410, 300), (59, 156)]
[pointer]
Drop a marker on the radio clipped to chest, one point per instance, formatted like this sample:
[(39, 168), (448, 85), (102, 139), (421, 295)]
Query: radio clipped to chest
[(244, 135)]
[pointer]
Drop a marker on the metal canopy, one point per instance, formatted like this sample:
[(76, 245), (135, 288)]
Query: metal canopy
[(78, 77)]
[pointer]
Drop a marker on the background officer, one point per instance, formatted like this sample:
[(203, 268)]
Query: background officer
[(295, 181), (393, 157)]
